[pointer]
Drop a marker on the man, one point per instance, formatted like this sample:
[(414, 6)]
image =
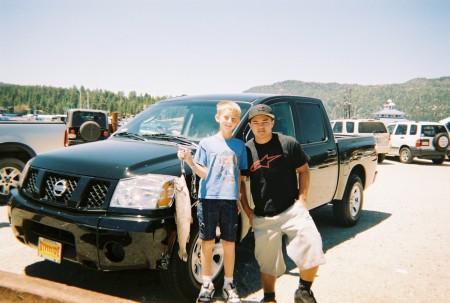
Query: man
[(280, 206)]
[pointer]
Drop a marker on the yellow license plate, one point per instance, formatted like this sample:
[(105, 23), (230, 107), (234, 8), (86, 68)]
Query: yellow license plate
[(50, 250)]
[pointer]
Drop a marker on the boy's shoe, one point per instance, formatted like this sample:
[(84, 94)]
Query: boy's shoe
[(230, 295), (206, 293), (304, 296)]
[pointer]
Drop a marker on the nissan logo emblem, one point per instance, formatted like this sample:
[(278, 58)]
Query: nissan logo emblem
[(59, 188)]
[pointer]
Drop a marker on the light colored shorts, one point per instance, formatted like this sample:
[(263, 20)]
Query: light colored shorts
[(303, 240)]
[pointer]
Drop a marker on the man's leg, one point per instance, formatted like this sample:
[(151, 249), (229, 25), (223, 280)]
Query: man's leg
[(268, 283), (309, 274), (304, 294)]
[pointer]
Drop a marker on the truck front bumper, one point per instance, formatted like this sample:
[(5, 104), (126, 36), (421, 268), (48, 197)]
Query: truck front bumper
[(102, 241)]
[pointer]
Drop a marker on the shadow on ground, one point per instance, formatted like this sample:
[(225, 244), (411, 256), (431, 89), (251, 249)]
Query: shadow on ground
[(332, 235), (144, 285), (416, 161)]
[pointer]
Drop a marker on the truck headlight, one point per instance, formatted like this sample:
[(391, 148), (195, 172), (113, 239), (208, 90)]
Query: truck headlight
[(144, 192)]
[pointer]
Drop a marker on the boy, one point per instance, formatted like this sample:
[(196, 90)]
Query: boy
[(218, 162)]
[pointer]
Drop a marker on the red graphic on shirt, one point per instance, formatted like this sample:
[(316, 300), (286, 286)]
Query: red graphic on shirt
[(264, 162)]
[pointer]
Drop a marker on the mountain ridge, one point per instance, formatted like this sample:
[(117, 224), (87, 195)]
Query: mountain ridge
[(420, 98)]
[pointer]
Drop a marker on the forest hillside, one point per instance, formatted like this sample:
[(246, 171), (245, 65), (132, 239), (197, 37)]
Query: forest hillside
[(420, 98)]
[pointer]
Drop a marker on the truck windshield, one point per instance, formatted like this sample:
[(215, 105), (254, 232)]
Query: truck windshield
[(192, 120)]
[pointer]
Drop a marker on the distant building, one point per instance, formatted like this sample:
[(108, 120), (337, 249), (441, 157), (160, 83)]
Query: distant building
[(389, 114)]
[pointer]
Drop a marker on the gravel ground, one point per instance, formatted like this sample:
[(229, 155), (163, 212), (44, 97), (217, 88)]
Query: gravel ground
[(399, 251)]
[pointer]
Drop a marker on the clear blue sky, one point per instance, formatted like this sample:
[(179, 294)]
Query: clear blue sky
[(172, 47)]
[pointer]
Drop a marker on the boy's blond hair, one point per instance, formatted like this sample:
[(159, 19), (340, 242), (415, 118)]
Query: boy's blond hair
[(226, 104)]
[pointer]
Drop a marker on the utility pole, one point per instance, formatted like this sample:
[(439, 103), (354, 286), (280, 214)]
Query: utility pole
[(348, 104)]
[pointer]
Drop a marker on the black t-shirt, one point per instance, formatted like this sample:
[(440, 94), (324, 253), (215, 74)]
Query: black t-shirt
[(272, 171)]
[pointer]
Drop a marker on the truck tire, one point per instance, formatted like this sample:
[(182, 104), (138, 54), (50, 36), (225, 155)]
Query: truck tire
[(10, 169), (441, 142), (348, 210), (405, 155), (381, 157), (186, 277), (90, 131)]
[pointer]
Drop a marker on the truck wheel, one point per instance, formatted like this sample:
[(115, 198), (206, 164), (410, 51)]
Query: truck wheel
[(405, 155), (381, 157), (90, 131), (186, 277), (348, 210), (441, 142), (10, 169)]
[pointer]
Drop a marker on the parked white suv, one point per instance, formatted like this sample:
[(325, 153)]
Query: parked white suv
[(365, 127), (425, 140)]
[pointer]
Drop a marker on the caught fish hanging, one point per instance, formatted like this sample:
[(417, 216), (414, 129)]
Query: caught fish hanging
[(183, 215)]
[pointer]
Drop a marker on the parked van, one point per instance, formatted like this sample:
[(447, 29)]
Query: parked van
[(364, 127)]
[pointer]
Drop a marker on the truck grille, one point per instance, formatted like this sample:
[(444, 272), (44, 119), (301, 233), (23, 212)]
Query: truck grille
[(49, 192), (67, 191), (97, 193)]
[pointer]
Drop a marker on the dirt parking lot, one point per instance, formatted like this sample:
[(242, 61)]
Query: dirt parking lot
[(399, 252)]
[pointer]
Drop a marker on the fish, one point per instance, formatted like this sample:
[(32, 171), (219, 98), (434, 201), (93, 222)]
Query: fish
[(183, 215)]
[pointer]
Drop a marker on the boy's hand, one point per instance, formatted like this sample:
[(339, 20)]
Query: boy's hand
[(184, 154)]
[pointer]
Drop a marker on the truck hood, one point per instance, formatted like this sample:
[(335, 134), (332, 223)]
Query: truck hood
[(113, 159)]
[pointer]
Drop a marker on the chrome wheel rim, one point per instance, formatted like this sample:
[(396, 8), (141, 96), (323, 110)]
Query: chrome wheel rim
[(9, 178), (355, 201)]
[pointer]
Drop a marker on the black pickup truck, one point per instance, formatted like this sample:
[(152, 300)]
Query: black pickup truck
[(109, 205)]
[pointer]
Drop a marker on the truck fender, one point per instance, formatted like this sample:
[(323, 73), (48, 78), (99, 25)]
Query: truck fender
[(16, 150)]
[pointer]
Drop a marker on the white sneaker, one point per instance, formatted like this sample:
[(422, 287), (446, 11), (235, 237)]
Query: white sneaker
[(230, 295), (206, 293)]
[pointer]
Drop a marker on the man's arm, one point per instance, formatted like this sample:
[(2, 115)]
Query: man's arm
[(303, 183)]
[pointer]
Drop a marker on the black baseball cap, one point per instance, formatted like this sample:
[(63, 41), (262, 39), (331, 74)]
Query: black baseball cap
[(260, 109)]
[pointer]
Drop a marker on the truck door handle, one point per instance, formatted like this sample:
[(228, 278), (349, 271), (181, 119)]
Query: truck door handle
[(331, 152)]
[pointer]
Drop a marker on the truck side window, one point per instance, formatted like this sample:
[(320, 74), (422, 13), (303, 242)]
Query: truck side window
[(284, 123), (350, 127), (77, 120), (413, 129), (311, 125), (401, 129), (337, 128), (428, 131)]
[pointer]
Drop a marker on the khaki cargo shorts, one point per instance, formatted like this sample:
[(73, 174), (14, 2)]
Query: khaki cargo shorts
[(303, 240)]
